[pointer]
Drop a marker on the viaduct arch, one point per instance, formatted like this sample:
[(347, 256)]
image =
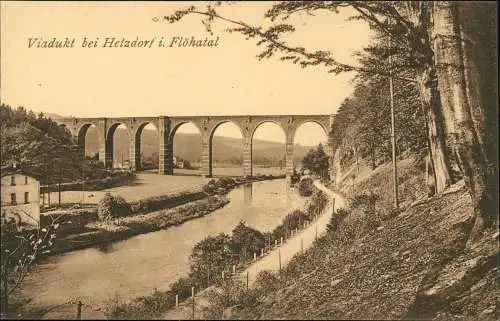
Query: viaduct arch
[(167, 126)]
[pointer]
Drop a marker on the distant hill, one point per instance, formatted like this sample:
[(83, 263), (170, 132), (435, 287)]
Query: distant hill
[(187, 146)]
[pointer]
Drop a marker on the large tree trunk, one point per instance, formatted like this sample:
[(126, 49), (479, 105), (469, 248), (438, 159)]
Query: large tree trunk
[(477, 25), (466, 132), (431, 107)]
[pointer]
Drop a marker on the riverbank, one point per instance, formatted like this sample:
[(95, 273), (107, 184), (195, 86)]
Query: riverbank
[(272, 261), (103, 233), (243, 242), (176, 210), (134, 267)]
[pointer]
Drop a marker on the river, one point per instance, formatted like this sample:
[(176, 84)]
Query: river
[(135, 266)]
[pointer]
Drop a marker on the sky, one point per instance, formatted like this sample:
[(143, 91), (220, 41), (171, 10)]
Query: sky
[(122, 82)]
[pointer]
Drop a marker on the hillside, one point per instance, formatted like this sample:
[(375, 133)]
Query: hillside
[(408, 265), (187, 146)]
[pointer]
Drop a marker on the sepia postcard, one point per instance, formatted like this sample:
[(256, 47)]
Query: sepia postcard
[(249, 160)]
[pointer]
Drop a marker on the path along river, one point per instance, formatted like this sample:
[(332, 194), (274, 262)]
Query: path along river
[(135, 266), (302, 240)]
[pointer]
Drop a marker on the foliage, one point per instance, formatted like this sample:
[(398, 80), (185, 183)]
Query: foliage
[(317, 203), (220, 186), (267, 282), (21, 248), (294, 220), (231, 292), (156, 203), (182, 287), (215, 254), (306, 187), (336, 219), (210, 257), (43, 148), (112, 206), (246, 241), (316, 161)]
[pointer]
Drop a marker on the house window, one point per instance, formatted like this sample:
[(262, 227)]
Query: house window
[(13, 198), (25, 180), (12, 180), (26, 197)]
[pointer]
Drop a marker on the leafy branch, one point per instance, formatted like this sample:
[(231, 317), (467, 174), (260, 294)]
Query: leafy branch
[(270, 40)]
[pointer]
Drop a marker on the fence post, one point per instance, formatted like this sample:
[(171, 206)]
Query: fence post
[(176, 300), (234, 269), (79, 310), (316, 236), (281, 243), (279, 258), (192, 294), (275, 243), (261, 252), (247, 280)]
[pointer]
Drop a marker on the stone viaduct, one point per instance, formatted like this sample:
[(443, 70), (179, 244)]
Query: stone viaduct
[(206, 125)]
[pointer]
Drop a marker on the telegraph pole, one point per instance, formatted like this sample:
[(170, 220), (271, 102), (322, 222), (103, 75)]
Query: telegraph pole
[(393, 135)]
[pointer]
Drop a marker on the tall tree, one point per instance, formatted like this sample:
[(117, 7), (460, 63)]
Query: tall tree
[(414, 29), (316, 160), (464, 108)]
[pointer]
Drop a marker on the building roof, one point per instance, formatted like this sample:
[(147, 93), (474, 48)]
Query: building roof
[(11, 170)]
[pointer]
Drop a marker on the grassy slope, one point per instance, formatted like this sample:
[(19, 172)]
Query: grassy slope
[(413, 266)]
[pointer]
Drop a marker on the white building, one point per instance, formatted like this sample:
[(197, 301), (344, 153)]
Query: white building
[(177, 162), (20, 197)]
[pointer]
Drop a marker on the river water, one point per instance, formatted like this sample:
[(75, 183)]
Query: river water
[(135, 266)]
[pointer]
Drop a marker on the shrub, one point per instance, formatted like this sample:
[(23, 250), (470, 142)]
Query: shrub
[(317, 203), (366, 203), (182, 287), (306, 187), (246, 241), (231, 293), (294, 220), (210, 257), (112, 206), (226, 182), (267, 282), (336, 220), (156, 203)]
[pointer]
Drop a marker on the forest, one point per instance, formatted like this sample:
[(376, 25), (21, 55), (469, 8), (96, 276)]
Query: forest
[(42, 148)]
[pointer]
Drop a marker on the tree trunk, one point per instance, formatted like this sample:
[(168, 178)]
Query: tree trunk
[(431, 107), (465, 132)]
